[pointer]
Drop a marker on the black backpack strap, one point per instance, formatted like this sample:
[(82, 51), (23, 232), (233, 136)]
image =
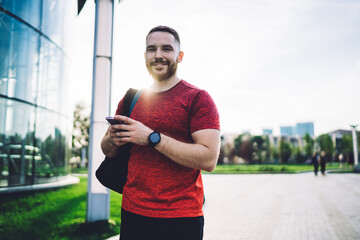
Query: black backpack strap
[(128, 99)]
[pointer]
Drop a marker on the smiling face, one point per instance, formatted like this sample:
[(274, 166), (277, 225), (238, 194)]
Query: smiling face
[(162, 55)]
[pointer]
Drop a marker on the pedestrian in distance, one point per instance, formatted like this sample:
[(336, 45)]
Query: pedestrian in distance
[(351, 159), (175, 133), (323, 163), (315, 162), (341, 160)]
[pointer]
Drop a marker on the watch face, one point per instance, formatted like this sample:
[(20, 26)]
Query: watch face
[(155, 137)]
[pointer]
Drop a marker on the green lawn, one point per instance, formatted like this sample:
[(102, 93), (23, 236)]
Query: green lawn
[(55, 214), (79, 170), (267, 168)]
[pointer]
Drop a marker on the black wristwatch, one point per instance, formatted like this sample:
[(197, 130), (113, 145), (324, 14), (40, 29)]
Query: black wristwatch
[(154, 139)]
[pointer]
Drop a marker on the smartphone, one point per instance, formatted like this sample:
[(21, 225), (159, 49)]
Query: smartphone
[(113, 121)]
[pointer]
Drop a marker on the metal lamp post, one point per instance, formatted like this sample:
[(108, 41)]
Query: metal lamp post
[(98, 202), (355, 147)]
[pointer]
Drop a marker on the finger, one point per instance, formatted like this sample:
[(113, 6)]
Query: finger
[(125, 139), (125, 119), (113, 130), (120, 117), (119, 141), (117, 128), (119, 134)]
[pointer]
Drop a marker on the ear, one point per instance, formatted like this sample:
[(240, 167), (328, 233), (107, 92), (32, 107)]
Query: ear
[(180, 57)]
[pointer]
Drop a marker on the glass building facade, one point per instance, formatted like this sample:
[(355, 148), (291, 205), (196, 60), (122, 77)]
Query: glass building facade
[(305, 127), (35, 123)]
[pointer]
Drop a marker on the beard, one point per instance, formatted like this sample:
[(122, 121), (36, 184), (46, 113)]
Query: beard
[(171, 69)]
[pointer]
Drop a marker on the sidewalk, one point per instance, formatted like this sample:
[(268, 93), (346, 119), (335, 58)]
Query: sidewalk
[(291, 206), (281, 207)]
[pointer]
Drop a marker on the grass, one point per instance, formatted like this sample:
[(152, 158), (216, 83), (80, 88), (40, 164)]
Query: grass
[(262, 168), (267, 168), (79, 170), (55, 214)]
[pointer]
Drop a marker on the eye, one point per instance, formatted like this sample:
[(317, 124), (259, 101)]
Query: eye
[(150, 49), (167, 49)]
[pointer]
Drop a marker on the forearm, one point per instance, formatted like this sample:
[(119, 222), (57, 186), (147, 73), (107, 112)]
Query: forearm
[(192, 155), (202, 154)]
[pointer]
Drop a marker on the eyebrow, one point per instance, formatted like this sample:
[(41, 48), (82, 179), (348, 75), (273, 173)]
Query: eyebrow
[(166, 45)]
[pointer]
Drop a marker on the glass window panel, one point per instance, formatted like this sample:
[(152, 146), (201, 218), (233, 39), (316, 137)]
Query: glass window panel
[(32, 152), (16, 143), (53, 20), (52, 77), (19, 59), (53, 143), (27, 10)]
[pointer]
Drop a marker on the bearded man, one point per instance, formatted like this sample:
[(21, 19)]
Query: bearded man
[(175, 133)]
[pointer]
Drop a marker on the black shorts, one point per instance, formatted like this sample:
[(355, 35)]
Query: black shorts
[(137, 227)]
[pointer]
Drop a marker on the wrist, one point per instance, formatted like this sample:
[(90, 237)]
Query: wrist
[(109, 148)]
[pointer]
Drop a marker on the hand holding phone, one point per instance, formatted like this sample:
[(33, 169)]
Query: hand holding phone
[(113, 121)]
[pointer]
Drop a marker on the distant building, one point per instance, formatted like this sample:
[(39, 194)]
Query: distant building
[(337, 135), (303, 128), (299, 130), (267, 131), (287, 131)]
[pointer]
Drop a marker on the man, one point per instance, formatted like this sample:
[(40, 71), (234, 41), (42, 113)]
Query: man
[(174, 128)]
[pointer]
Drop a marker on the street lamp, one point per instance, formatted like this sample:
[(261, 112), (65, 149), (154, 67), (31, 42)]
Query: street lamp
[(355, 145), (98, 202)]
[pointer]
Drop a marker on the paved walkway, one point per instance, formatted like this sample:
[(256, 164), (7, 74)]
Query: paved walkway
[(293, 206), (282, 207)]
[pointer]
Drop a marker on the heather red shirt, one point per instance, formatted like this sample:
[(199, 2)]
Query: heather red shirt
[(156, 185)]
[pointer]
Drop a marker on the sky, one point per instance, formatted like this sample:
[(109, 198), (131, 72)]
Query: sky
[(265, 63)]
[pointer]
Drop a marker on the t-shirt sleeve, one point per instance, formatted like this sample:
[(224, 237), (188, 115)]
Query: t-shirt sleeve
[(204, 113), (120, 108)]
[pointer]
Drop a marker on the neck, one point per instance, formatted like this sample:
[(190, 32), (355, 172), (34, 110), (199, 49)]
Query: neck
[(164, 85)]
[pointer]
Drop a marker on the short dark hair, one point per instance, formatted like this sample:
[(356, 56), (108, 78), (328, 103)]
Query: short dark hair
[(165, 29)]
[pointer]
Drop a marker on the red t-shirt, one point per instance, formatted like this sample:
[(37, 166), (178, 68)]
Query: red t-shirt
[(156, 185)]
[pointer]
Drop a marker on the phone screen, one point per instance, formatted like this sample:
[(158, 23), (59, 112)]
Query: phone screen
[(113, 121)]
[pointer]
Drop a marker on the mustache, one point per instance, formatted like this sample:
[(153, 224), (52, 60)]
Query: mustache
[(160, 61)]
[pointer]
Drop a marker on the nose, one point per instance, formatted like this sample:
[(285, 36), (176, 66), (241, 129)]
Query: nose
[(158, 53)]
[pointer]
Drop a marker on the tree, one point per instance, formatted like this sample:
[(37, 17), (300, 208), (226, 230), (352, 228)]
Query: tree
[(238, 141), (244, 147), (81, 128), (346, 144), (221, 156), (326, 144), (309, 145), (274, 154), (299, 155), (261, 146), (285, 151)]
